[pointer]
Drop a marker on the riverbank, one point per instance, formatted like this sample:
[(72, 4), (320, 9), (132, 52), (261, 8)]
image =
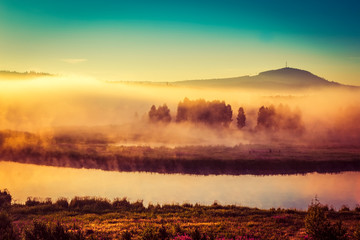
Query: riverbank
[(97, 218), (91, 151)]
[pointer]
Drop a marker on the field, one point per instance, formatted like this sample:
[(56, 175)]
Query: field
[(97, 218)]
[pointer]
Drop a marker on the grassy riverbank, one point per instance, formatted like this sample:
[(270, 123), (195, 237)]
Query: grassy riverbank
[(90, 218), (94, 152)]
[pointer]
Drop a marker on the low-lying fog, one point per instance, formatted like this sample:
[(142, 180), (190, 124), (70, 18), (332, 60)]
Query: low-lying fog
[(50, 105)]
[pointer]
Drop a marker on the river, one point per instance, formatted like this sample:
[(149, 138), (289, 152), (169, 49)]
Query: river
[(285, 191)]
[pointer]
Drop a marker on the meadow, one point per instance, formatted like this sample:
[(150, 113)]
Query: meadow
[(100, 218)]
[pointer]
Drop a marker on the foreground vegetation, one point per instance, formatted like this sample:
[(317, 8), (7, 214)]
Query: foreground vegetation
[(97, 218)]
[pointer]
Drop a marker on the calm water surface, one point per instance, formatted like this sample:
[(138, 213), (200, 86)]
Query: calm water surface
[(288, 191)]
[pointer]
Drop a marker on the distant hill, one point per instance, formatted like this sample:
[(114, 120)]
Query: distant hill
[(12, 75), (284, 78)]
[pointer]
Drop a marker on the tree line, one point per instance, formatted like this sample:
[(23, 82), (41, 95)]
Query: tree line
[(219, 113)]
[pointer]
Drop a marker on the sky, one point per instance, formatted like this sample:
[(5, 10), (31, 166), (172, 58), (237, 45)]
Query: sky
[(139, 40)]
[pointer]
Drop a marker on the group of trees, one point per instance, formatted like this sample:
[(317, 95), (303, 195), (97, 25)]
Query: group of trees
[(214, 112), (199, 111), (160, 114), (281, 117), (219, 113)]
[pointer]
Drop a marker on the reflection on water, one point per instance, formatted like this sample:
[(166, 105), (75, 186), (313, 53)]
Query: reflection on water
[(292, 191)]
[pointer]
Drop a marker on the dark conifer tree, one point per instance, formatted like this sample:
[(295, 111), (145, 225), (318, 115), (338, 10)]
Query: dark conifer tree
[(241, 118)]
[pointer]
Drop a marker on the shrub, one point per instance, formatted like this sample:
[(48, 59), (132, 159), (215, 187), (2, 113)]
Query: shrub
[(138, 206), (344, 208), (357, 208), (88, 204), (5, 198), (6, 228), (187, 205), (122, 204), (154, 208), (62, 202), (316, 223), (318, 227), (30, 202)]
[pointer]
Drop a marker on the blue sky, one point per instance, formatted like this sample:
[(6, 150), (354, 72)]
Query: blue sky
[(173, 40)]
